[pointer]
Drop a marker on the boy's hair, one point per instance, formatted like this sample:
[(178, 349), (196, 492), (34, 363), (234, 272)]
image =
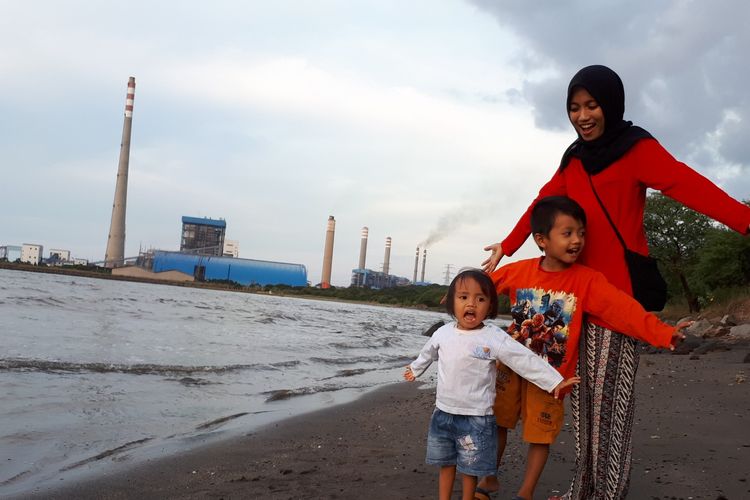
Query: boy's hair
[(485, 284), (547, 209)]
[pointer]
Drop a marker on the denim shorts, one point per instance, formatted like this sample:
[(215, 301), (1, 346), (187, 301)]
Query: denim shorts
[(467, 441)]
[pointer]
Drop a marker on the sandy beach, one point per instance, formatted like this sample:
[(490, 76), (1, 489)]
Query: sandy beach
[(692, 441)]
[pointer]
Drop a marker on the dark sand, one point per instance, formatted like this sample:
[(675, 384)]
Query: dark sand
[(692, 440)]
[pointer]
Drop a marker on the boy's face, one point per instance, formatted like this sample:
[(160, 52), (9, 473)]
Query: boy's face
[(470, 304), (564, 243)]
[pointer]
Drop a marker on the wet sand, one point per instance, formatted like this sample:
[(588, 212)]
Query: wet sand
[(692, 441)]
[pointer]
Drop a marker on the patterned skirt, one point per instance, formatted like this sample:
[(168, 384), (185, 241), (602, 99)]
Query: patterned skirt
[(602, 406)]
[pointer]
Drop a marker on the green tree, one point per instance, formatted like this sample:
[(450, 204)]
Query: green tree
[(724, 260), (675, 234)]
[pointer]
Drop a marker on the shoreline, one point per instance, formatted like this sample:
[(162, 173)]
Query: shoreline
[(691, 440)]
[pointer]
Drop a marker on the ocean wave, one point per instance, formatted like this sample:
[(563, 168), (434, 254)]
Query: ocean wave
[(350, 373), (282, 394), (45, 301), (107, 453), (43, 365)]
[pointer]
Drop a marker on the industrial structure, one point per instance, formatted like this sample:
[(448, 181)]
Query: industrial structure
[(363, 247), (31, 253), (203, 236), (387, 256), (363, 277), (202, 258), (416, 266), (231, 248), (11, 253), (115, 253), (243, 271), (325, 279)]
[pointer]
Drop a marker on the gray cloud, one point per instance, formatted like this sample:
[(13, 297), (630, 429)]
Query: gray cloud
[(683, 64)]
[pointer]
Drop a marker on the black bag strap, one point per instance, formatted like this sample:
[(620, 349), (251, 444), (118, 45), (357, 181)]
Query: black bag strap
[(619, 236)]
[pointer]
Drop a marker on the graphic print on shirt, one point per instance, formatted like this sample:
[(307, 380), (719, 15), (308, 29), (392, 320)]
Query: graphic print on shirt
[(540, 320), (482, 352)]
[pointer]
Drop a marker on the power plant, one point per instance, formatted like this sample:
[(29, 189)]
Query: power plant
[(363, 277), (201, 255), (115, 253)]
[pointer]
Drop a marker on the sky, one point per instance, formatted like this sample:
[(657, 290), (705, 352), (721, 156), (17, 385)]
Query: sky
[(427, 121)]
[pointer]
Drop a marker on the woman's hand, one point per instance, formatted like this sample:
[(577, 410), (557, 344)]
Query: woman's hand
[(490, 264), (565, 383), (409, 375), (678, 336)]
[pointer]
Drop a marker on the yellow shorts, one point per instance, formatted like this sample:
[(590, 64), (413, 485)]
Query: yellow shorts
[(515, 398)]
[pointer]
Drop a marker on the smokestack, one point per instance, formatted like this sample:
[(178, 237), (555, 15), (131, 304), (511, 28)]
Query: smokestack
[(416, 266), (387, 258), (115, 253), (363, 248), (325, 280), (424, 263)]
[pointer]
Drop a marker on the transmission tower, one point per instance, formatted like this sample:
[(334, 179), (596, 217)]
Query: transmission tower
[(447, 278)]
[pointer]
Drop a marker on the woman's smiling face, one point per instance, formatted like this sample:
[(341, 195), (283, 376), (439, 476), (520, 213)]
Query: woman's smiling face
[(586, 115)]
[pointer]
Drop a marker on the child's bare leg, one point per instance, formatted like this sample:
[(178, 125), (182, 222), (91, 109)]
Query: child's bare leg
[(490, 483), (535, 461), (468, 485), (447, 476)]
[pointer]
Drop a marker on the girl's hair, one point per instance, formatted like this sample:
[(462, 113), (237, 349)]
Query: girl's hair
[(485, 284)]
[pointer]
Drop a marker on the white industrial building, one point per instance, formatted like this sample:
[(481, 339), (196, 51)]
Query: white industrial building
[(62, 255), (231, 248), (31, 253)]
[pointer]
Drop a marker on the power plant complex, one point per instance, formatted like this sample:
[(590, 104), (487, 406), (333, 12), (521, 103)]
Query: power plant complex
[(206, 255), (202, 244)]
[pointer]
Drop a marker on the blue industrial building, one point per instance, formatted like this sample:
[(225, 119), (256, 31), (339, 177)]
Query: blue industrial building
[(203, 236), (242, 271), (376, 280)]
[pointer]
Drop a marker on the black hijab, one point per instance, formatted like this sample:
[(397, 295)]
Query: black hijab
[(619, 135)]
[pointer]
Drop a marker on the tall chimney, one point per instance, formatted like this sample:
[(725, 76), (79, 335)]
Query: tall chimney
[(424, 263), (387, 258), (363, 248), (325, 280), (416, 266), (115, 253)]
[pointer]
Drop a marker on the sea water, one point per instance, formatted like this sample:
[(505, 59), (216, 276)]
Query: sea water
[(96, 372)]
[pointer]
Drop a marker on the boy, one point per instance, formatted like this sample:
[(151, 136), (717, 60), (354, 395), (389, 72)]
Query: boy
[(548, 298)]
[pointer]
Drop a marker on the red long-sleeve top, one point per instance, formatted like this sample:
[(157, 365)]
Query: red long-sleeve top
[(547, 309), (622, 189)]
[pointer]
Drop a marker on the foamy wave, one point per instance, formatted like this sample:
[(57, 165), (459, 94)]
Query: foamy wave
[(282, 394), (44, 365)]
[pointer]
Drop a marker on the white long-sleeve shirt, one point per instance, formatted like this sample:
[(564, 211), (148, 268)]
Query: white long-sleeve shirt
[(466, 367)]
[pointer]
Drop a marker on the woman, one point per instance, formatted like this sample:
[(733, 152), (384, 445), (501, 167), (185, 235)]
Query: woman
[(619, 161)]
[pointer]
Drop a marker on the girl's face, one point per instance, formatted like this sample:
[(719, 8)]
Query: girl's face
[(586, 115), (470, 304)]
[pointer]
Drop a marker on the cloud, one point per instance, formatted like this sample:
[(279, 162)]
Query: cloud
[(683, 65)]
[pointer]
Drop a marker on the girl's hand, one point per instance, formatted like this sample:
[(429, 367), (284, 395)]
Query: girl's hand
[(565, 383), (409, 375), (678, 336), (490, 264)]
